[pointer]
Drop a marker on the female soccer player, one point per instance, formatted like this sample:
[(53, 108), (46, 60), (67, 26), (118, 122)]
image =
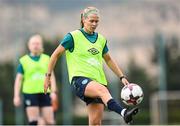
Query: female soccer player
[(85, 50), (31, 73)]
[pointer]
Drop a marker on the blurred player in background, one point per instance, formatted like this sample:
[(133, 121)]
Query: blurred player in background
[(85, 50), (30, 76)]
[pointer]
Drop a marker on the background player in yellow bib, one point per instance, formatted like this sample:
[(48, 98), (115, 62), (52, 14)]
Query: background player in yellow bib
[(85, 50), (31, 73)]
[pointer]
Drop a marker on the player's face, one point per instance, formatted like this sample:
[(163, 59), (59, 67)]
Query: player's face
[(91, 22), (35, 46)]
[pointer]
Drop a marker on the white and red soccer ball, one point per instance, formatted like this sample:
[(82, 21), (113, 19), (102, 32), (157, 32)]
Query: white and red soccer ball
[(132, 94)]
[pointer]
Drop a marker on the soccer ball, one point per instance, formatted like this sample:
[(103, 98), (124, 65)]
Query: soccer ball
[(132, 94)]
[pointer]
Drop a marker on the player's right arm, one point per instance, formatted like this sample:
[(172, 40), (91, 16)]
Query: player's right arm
[(17, 90), (53, 59), (66, 44)]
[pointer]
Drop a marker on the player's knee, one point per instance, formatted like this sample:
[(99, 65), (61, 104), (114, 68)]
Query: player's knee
[(34, 122)]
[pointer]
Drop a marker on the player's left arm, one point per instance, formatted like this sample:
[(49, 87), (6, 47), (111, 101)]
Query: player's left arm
[(115, 68), (53, 83), (53, 86), (54, 95)]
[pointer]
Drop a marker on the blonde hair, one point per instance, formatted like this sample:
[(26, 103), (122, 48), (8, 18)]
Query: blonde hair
[(37, 36), (86, 12)]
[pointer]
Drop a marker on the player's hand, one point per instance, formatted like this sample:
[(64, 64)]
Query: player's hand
[(17, 101), (125, 81), (47, 84)]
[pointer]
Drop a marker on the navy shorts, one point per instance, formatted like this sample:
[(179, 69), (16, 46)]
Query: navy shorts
[(40, 100), (78, 85)]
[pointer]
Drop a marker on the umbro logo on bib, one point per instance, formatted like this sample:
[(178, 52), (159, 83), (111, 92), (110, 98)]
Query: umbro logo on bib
[(93, 51)]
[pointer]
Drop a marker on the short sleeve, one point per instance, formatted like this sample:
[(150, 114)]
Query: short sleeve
[(105, 49), (20, 69), (67, 42)]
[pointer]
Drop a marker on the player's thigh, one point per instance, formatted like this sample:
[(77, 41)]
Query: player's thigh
[(48, 114), (95, 113), (33, 113), (95, 89)]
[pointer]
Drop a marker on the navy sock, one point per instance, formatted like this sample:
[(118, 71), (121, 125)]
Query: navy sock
[(114, 106)]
